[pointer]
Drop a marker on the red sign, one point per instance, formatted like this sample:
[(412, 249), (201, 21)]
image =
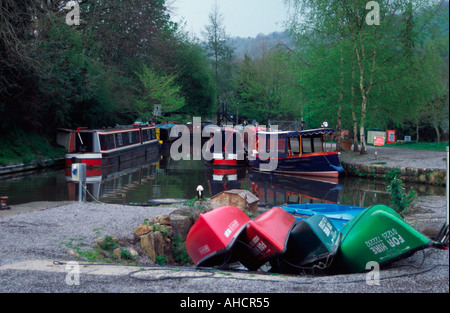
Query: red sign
[(379, 141)]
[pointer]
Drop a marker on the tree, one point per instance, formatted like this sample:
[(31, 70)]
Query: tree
[(220, 53), (159, 89), (196, 78), (354, 45)]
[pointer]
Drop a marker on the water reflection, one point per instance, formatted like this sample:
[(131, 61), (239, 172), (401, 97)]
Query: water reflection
[(274, 189), (162, 177)]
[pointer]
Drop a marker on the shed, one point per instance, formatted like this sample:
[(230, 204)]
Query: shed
[(242, 199)]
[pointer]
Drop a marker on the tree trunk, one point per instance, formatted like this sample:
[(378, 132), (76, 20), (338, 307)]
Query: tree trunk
[(341, 98), (338, 131), (436, 128), (355, 122), (417, 130), (362, 136)]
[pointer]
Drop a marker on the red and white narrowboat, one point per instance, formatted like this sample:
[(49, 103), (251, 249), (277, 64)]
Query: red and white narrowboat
[(226, 148), (99, 148)]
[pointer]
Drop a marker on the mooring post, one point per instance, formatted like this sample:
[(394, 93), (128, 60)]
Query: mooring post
[(79, 175)]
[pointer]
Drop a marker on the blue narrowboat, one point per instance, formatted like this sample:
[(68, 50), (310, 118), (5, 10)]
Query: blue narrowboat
[(301, 152)]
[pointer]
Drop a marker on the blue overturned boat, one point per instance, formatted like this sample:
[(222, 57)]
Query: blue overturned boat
[(338, 214)]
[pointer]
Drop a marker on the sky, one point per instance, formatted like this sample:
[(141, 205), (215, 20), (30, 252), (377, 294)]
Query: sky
[(243, 18)]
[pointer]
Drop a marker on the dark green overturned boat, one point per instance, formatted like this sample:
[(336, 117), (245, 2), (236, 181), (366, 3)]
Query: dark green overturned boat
[(311, 247), (377, 234)]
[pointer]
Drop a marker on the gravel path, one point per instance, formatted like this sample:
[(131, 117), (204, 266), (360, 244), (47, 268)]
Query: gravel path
[(46, 233)]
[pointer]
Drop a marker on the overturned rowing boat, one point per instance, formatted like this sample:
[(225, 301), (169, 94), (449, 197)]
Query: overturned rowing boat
[(264, 238), (293, 244), (210, 240), (378, 234)]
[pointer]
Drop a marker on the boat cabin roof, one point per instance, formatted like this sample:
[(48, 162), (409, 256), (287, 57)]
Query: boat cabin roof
[(108, 129), (307, 132)]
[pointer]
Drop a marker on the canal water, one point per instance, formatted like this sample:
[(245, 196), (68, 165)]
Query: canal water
[(160, 178)]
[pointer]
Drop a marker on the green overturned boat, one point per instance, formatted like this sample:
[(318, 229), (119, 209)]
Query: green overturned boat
[(377, 234)]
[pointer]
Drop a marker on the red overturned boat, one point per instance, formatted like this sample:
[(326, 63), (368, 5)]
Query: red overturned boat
[(211, 239), (264, 238)]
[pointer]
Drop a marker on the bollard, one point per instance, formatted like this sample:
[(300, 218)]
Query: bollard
[(3, 205)]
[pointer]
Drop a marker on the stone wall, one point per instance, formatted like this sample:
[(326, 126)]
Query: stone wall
[(416, 175)]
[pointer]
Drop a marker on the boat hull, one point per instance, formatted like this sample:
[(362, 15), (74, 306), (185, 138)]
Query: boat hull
[(312, 244), (224, 163), (264, 238), (338, 214), (210, 240), (378, 234), (97, 161), (320, 165)]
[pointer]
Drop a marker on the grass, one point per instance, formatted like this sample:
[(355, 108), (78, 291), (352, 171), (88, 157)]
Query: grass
[(431, 146), (102, 252), (23, 147)]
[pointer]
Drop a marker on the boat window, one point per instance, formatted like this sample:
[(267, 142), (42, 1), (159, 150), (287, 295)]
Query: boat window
[(130, 137), (281, 148), (135, 137), (84, 142), (126, 139), (119, 140), (312, 144), (318, 144), (294, 145), (107, 142), (146, 135), (293, 199)]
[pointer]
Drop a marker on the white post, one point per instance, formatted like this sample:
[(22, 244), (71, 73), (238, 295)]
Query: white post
[(82, 183), (79, 175)]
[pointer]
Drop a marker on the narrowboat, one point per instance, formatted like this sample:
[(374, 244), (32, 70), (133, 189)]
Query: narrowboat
[(378, 234), (225, 148), (212, 237), (163, 132), (301, 152), (99, 148)]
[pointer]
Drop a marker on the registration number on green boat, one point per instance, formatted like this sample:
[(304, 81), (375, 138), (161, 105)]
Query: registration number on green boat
[(391, 237)]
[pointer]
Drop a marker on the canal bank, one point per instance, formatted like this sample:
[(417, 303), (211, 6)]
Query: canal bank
[(20, 169), (418, 166)]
